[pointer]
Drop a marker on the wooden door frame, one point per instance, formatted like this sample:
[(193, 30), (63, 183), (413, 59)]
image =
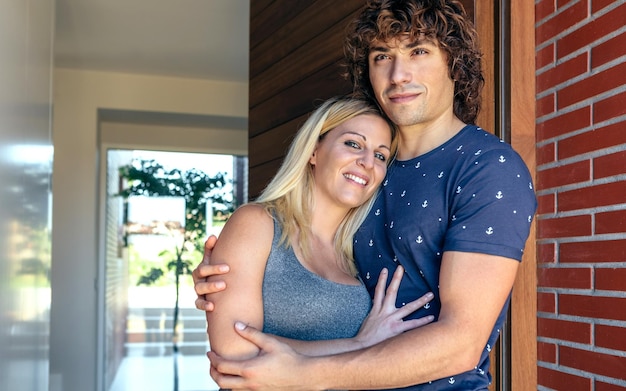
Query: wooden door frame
[(523, 139), (509, 107)]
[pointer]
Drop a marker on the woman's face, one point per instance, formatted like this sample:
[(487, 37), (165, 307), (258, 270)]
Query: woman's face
[(350, 161)]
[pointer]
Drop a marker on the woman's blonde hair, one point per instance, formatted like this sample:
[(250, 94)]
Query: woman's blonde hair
[(289, 195)]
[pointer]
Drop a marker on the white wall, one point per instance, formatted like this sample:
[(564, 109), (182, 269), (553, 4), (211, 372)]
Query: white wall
[(77, 98), (26, 28)]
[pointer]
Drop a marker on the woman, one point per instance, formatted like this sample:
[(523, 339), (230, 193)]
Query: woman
[(290, 253)]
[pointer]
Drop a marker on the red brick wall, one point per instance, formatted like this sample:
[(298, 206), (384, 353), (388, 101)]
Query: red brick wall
[(581, 187)]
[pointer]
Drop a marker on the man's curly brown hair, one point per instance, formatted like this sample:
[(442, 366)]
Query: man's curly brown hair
[(443, 21)]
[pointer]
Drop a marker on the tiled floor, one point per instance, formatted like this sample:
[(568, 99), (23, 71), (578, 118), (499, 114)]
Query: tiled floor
[(157, 374)]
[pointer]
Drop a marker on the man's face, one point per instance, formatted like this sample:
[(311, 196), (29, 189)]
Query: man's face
[(411, 80)]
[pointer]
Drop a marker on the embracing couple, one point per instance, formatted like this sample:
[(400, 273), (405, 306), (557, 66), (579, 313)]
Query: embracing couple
[(383, 253)]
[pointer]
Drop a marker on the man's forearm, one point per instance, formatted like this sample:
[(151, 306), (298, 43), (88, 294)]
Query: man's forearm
[(322, 347), (418, 356)]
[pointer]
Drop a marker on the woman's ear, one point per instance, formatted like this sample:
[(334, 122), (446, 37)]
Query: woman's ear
[(313, 158)]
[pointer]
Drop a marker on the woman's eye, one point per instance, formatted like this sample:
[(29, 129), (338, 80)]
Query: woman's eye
[(352, 144), (380, 156)]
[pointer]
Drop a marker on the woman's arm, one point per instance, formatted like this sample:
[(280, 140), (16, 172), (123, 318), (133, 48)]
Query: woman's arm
[(244, 245)]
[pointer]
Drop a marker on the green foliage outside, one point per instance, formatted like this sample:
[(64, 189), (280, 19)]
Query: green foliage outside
[(151, 179)]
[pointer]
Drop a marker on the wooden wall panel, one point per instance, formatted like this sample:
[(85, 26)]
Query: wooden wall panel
[(295, 54)]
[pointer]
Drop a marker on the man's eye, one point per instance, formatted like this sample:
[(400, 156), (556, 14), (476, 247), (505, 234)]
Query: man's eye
[(420, 51), (380, 57)]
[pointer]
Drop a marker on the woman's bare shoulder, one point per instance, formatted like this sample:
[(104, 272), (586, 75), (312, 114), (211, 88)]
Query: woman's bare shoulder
[(248, 233)]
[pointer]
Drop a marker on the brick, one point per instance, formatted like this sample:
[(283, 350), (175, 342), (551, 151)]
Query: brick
[(563, 227), (610, 222), (593, 140), (545, 204), (610, 279), (592, 196), (591, 32), (598, 307), (546, 302), (546, 154), (572, 278), (563, 72), (546, 253), (610, 165), (545, 105), (555, 380), (601, 386), (598, 5), (594, 362), (562, 3), (564, 330), (545, 56), (610, 337), (608, 51), (543, 9), (561, 22), (603, 251), (546, 352), (610, 107), (591, 86), (564, 175), (565, 123)]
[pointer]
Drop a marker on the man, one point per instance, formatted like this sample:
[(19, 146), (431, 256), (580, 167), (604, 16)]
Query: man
[(455, 211)]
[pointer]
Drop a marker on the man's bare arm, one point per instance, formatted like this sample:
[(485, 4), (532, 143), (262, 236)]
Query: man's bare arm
[(473, 290), (204, 270)]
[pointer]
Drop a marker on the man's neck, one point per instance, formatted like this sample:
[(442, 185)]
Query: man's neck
[(418, 139)]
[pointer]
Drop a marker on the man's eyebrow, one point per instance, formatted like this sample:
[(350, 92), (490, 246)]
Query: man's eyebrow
[(379, 48), (412, 45)]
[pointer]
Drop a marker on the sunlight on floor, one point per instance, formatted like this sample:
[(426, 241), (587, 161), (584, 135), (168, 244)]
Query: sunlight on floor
[(156, 374)]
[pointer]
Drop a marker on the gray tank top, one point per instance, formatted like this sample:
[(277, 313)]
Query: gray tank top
[(299, 304)]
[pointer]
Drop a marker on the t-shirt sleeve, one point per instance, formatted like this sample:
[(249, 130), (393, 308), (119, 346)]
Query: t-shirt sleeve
[(493, 204)]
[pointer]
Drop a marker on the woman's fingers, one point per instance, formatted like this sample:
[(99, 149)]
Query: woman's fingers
[(379, 292)]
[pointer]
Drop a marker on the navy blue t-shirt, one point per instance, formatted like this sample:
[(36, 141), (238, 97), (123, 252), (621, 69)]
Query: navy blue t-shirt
[(472, 194)]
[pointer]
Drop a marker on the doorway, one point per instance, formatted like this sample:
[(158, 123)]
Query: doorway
[(153, 337)]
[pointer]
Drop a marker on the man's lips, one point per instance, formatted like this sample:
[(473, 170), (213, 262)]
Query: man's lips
[(403, 98)]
